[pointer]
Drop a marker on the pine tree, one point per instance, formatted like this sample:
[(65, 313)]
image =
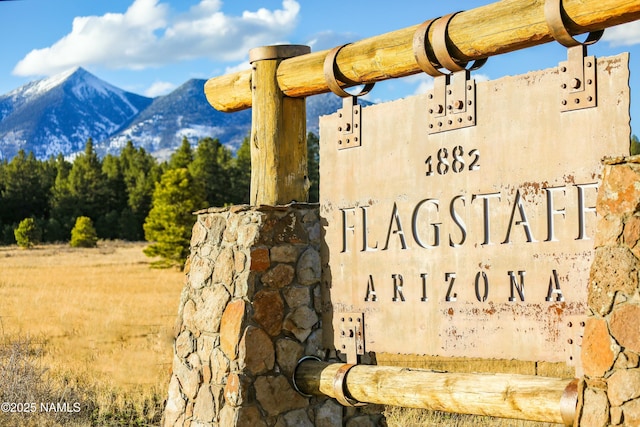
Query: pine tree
[(62, 204), (107, 224), (211, 167), (84, 234), (634, 148), (27, 234), (87, 183), (25, 190), (140, 172), (183, 156), (171, 218), (241, 175), (313, 166)]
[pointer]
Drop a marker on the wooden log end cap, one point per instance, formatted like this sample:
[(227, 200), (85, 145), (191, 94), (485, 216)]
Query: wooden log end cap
[(281, 51)]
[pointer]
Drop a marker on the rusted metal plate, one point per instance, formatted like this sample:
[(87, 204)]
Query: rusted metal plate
[(473, 242)]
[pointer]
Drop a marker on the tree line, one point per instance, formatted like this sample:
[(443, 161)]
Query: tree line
[(118, 192)]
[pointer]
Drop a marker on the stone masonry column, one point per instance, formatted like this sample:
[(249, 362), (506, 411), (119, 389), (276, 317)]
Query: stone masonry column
[(609, 394), (250, 308)]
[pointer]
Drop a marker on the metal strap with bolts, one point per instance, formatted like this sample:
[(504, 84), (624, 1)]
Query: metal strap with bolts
[(330, 70), (441, 51), (340, 387), (421, 50), (553, 12)]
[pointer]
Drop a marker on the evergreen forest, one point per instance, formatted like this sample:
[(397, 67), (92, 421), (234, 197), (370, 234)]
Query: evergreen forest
[(118, 192)]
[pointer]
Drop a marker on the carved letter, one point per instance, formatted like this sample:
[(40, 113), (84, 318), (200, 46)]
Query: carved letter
[(518, 286), (371, 291), (582, 209), (459, 222), (551, 212), (517, 203), (485, 294), (346, 227), (485, 202), (554, 288), (365, 232), (395, 217), (424, 287), (436, 225), (452, 277), (398, 281)]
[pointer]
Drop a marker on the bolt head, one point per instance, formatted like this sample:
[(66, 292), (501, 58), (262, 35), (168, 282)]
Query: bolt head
[(575, 83)]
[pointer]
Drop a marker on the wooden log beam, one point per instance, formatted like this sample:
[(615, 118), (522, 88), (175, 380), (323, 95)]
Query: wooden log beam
[(496, 28), (523, 397)]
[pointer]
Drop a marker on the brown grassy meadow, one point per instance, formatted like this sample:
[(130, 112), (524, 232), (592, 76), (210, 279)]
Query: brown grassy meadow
[(96, 326), (101, 321)]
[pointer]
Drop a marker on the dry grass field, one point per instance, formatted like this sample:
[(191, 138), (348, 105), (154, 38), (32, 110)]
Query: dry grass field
[(101, 319), (407, 417), (95, 326)]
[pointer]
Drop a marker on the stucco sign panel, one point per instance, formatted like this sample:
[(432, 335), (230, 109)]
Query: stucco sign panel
[(475, 241)]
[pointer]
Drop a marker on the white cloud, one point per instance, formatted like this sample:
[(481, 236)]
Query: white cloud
[(480, 77), (240, 67), (145, 36), (159, 88), (424, 83), (623, 35)]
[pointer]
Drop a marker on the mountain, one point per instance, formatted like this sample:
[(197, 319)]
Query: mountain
[(184, 112), (58, 114)]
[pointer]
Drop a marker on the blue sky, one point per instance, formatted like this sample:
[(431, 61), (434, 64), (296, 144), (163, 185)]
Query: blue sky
[(152, 46)]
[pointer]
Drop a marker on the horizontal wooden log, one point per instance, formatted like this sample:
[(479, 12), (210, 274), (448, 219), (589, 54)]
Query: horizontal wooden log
[(523, 397), (496, 28)]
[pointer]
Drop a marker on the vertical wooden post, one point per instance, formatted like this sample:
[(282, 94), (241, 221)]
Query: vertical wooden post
[(278, 131)]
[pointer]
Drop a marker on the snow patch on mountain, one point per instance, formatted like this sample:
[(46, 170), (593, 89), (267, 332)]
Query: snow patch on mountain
[(199, 132), (41, 86)]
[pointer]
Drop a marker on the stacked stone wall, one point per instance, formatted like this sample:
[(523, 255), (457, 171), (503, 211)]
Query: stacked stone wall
[(250, 309), (610, 391)]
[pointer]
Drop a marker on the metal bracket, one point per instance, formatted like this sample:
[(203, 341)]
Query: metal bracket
[(578, 80), (352, 335), (572, 333), (349, 123), (452, 102), (340, 390)]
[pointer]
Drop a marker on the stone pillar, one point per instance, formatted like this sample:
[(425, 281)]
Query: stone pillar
[(610, 391), (250, 308)]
